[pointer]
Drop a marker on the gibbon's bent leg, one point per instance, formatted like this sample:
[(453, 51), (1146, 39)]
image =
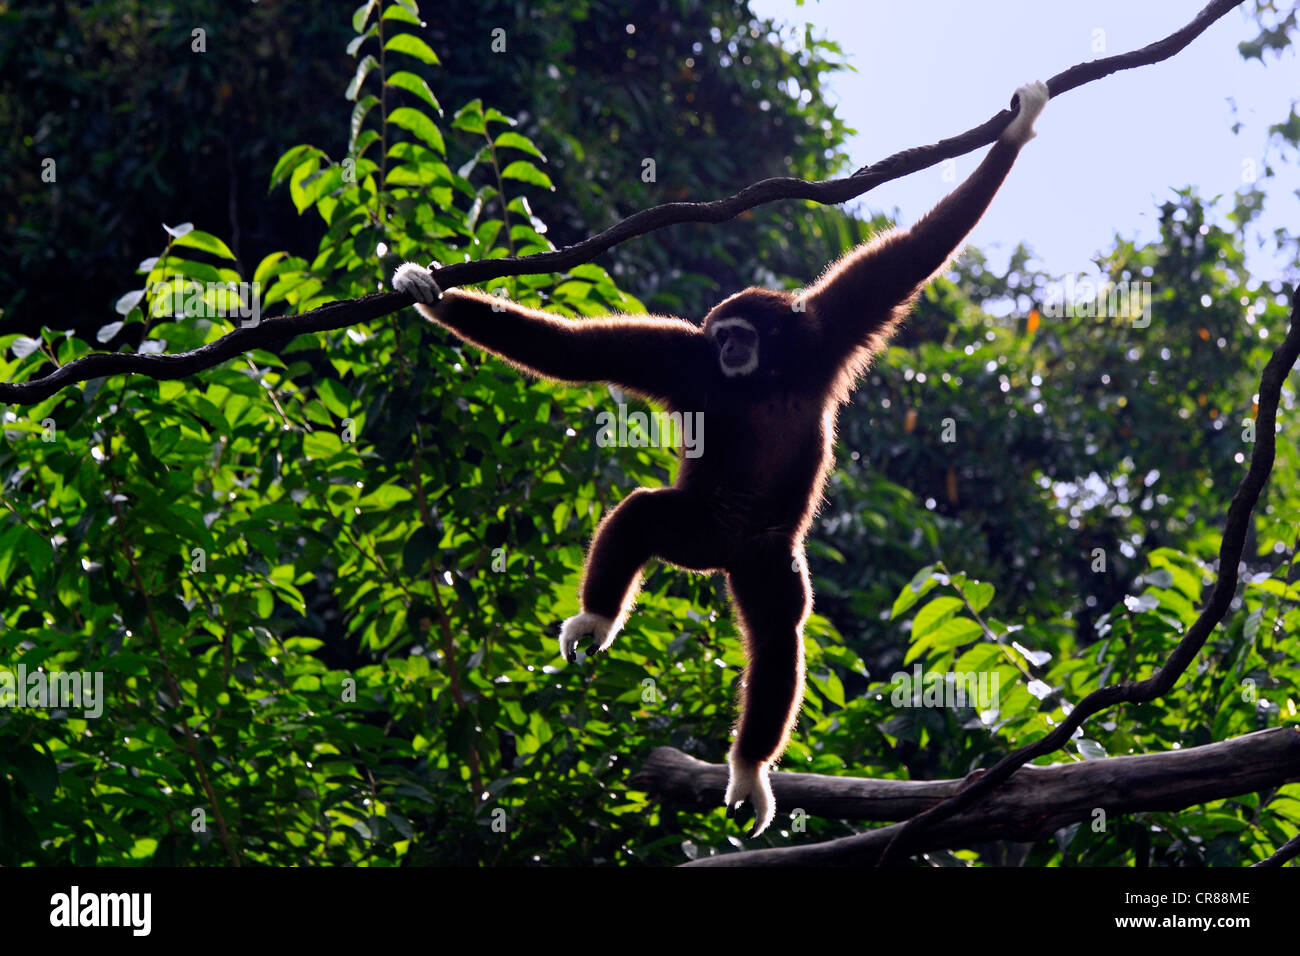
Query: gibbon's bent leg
[(660, 523), (655, 356), (772, 595), (863, 294)]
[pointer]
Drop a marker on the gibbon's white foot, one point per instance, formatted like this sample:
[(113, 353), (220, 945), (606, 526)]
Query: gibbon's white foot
[(749, 780), (602, 629), (1033, 97), (417, 282)]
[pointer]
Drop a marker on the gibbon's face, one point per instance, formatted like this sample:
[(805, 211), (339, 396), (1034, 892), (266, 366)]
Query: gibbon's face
[(736, 343), (756, 337)]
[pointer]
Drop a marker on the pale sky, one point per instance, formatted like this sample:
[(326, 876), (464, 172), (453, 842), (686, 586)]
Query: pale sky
[(1106, 154)]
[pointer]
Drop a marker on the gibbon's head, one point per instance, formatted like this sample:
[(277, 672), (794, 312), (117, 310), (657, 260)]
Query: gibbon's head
[(737, 345), (756, 335)]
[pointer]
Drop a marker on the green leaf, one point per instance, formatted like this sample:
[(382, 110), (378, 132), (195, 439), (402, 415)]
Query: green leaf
[(364, 138), (335, 397), (921, 584), (363, 107), (525, 171), (296, 192), (9, 551), (400, 14), (361, 14), (290, 161), (268, 267), (412, 83), (385, 498), (358, 41), (321, 445), (932, 615), (197, 239), (953, 633), (830, 686), (1267, 584), (470, 117), (317, 185), (364, 67), (412, 46), (512, 140), (416, 122), (978, 594)]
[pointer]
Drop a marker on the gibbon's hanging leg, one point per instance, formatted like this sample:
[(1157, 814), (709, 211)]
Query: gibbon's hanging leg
[(772, 596), (662, 523)]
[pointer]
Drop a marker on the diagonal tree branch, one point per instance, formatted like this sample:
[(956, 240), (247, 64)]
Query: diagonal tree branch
[(274, 334), (1288, 851), (1235, 528)]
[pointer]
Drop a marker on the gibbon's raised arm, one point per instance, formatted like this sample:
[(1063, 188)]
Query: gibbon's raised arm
[(858, 296), (651, 355)]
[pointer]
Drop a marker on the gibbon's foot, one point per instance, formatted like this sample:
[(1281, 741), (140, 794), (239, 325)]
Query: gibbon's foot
[(601, 628), (417, 282), (1033, 97), (749, 781)]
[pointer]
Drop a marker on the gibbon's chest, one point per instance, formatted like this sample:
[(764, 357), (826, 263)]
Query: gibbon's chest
[(769, 431), (785, 411)]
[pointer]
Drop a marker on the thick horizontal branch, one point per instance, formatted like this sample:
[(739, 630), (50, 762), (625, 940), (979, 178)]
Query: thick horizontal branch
[(274, 333), (678, 778), (1032, 805)]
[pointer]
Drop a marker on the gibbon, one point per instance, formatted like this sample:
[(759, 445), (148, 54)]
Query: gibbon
[(768, 371)]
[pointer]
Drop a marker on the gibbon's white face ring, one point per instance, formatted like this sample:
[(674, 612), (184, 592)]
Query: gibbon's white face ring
[(751, 363)]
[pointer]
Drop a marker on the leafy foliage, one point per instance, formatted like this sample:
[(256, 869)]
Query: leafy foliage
[(321, 584)]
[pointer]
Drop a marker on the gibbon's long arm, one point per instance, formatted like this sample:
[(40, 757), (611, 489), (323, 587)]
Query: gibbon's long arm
[(651, 355), (858, 296)]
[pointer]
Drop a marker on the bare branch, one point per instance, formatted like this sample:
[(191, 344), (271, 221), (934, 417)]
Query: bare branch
[(273, 334), (1033, 804)]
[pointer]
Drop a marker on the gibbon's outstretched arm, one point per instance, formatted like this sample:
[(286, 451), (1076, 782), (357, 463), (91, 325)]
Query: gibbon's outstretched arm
[(651, 355), (859, 296)]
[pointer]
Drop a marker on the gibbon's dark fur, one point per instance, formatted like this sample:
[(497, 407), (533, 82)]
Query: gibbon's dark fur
[(745, 505)]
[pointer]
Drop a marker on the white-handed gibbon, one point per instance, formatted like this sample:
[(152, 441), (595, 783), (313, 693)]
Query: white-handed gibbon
[(769, 371)]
